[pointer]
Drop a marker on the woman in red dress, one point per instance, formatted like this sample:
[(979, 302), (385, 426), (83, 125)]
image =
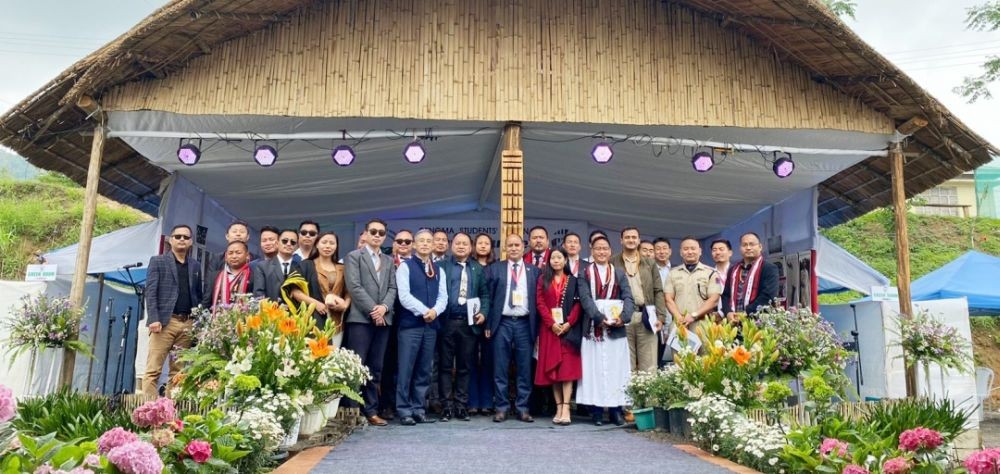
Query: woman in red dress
[(559, 335)]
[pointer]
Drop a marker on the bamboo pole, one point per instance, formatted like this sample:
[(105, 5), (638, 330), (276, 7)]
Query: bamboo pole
[(86, 233), (902, 248), (511, 186)]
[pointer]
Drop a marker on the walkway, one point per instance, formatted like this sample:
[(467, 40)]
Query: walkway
[(482, 446)]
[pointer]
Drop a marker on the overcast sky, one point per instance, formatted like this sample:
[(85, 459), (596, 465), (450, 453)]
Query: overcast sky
[(926, 38)]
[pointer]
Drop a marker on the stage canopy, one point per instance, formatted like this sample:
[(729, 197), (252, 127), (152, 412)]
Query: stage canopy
[(973, 276), (839, 271), (111, 252)]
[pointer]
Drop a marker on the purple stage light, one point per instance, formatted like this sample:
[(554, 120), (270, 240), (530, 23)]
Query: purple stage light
[(602, 153), (188, 154), (702, 161), (343, 155), (414, 152), (265, 155), (784, 166)]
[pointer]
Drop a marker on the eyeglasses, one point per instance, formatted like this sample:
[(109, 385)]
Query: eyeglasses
[(288, 241), (181, 237), (404, 241), (376, 232), (308, 233)]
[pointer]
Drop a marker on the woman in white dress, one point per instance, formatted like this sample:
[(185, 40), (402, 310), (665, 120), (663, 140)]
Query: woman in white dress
[(607, 305)]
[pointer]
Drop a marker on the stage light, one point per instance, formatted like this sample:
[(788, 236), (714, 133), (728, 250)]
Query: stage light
[(784, 166), (188, 154), (602, 153), (343, 155), (414, 152), (265, 155), (703, 161)]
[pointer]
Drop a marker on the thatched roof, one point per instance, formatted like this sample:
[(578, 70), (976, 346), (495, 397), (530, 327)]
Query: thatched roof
[(46, 127)]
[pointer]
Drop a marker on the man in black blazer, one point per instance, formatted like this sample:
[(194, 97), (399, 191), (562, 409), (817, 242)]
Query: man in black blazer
[(752, 283), (512, 325), (466, 279), (173, 288), (269, 274)]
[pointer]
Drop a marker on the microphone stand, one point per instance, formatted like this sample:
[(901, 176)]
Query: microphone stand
[(107, 345), (859, 372), (128, 386)]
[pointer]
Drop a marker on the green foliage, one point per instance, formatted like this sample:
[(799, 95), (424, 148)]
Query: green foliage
[(984, 17), (38, 451), (70, 415), (944, 416), (229, 444), (44, 214), (842, 8)]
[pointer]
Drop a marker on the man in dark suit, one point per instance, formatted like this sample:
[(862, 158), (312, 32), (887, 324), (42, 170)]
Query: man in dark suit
[(269, 274), (538, 239), (752, 283), (237, 231), (371, 281), (512, 325), (173, 287), (234, 278), (466, 280)]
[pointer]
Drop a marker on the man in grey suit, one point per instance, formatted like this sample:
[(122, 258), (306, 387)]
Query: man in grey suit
[(371, 281), (269, 274), (173, 287)]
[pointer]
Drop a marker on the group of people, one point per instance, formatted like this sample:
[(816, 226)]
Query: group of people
[(440, 321)]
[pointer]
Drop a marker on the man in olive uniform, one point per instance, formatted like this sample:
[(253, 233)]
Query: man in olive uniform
[(693, 289)]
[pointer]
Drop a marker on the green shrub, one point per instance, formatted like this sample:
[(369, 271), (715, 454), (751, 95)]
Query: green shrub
[(70, 415), (889, 420)]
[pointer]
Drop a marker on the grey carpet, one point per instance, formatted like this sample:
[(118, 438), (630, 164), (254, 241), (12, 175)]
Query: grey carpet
[(482, 446)]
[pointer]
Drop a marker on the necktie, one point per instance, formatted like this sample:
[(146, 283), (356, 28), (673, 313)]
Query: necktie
[(512, 286), (286, 268), (463, 286), (538, 260)]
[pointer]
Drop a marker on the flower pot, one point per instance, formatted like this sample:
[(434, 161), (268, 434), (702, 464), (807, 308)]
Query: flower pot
[(292, 435), (46, 367), (644, 419), (312, 421), (678, 422), (330, 408), (662, 419)]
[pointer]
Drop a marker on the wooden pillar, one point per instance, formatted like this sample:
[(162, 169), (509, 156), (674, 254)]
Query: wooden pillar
[(86, 235), (511, 186), (902, 248)]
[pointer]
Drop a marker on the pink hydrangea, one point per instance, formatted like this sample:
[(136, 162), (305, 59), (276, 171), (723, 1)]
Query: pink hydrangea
[(92, 460), (855, 469), (200, 451), (114, 438), (919, 438), (897, 465), (7, 404), (986, 461), (834, 446), (137, 457), (155, 413)]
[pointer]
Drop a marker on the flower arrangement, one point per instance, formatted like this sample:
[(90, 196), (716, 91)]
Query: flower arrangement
[(925, 339), (41, 322), (806, 340), (7, 404), (727, 366), (719, 425), (277, 359)]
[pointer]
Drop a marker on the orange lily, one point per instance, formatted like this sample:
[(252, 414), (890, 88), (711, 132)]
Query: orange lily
[(320, 347), (741, 355), (288, 326), (255, 322)]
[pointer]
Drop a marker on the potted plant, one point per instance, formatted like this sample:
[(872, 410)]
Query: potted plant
[(46, 327), (638, 390)]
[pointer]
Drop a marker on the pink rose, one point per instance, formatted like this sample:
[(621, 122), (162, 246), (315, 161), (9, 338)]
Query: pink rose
[(920, 438), (898, 465), (199, 450), (855, 469), (833, 446)]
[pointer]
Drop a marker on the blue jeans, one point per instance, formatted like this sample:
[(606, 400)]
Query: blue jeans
[(416, 353)]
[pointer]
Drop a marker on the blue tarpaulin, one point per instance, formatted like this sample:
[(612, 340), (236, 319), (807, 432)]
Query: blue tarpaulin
[(974, 275)]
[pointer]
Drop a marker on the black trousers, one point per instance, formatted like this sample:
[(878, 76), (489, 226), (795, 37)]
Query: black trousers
[(389, 370), (368, 341), (458, 343)]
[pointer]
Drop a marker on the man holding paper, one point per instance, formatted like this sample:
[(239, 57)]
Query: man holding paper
[(650, 310), (468, 303)]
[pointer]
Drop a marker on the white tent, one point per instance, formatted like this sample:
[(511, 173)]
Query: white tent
[(838, 270), (110, 252)]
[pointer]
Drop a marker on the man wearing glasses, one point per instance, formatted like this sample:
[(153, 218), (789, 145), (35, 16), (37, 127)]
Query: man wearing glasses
[(173, 287), (270, 274), (402, 249), (308, 230), (371, 281)]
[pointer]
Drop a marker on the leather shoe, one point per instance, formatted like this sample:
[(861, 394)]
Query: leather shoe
[(463, 415), (388, 414), (629, 417), (598, 419), (617, 418), (376, 420), (525, 417), (407, 421), (499, 417), (446, 415), (423, 419)]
